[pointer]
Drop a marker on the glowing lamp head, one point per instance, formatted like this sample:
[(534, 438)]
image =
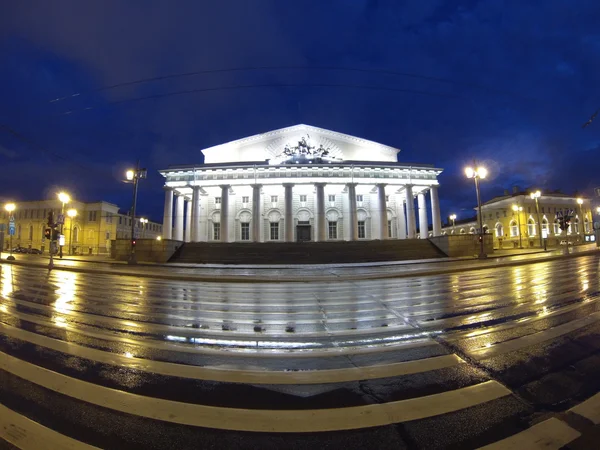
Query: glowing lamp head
[(129, 174), (10, 207), (598, 209), (469, 172), (64, 197), (72, 213), (580, 201), (158, 238), (482, 172), (453, 217)]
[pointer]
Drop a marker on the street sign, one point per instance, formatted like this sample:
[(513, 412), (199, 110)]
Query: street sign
[(61, 219), (61, 240), (11, 229)]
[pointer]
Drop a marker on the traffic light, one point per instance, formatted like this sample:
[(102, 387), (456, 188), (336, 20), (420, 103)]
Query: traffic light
[(48, 233), (55, 234), (51, 219), (133, 242)]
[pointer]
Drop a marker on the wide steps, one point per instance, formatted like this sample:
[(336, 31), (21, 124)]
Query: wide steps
[(305, 252)]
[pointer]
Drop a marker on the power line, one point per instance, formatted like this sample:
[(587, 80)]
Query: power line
[(257, 68), (270, 85)]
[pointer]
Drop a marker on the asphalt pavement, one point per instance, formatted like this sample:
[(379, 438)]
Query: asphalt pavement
[(503, 354)]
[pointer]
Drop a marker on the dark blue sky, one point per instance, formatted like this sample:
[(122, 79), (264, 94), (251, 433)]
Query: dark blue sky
[(525, 78)]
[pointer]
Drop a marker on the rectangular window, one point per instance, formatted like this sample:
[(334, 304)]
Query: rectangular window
[(217, 202), (216, 231), (359, 198), (303, 198), (497, 215), (274, 231), (387, 198), (332, 199), (361, 229), (543, 210), (107, 235), (389, 228), (120, 221), (529, 210), (245, 231), (332, 230), (273, 199), (245, 200)]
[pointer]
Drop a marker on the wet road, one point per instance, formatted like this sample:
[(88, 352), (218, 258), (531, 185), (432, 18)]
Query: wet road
[(455, 360)]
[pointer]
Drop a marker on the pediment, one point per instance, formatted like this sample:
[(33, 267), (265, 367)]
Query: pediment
[(272, 145)]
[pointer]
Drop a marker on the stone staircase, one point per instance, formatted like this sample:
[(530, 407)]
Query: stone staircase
[(305, 252)]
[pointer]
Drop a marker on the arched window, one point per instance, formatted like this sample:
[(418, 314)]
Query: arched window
[(31, 232), (514, 228), (472, 230), (576, 221), (76, 234), (19, 232), (531, 227), (545, 226), (586, 225), (444, 233), (452, 232), (499, 230), (556, 227), (486, 229), (462, 231)]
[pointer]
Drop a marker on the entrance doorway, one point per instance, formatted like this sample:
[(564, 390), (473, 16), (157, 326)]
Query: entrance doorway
[(303, 231)]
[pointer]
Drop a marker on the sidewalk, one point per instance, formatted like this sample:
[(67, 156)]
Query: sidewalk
[(298, 273)]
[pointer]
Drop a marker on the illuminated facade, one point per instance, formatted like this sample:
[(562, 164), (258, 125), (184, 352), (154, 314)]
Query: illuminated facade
[(90, 231), (514, 222), (299, 183)]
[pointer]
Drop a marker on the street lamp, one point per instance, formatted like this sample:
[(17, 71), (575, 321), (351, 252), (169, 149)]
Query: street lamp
[(453, 219), (10, 207), (64, 198), (143, 221), (478, 174), (518, 210), (72, 213), (535, 196), (133, 176)]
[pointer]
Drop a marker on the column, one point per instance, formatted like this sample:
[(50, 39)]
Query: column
[(202, 223), (423, 224), (383, 218), (435, 211), (256, 217), (188, 220), (352, 211), (167, 228), (401, 218), (288, 217), (321, 234), (225, 213), (411, 225), (195, 228), (178, 230)]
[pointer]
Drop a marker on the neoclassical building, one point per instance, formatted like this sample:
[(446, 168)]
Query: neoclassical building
[(300, 183)]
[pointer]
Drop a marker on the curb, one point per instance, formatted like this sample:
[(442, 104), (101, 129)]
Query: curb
[(333, 277)]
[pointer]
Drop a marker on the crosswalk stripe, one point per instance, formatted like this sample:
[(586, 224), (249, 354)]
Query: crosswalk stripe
[(26, 434), (551, 434), (279, 421), (236, 376), (590, 409), (532, 339)]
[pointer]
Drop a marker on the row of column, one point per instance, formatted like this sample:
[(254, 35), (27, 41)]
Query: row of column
[(407, 227)]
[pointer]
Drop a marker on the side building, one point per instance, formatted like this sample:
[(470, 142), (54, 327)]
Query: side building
[(89, 232), (514, 221)]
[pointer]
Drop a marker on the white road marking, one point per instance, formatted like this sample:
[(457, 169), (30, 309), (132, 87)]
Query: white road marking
[(236, 376), (533, 339), (590, 409), (26, 434), (279, 421), (551, 434)]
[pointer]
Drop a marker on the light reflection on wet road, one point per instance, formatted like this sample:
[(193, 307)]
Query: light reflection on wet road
[(397, 339)]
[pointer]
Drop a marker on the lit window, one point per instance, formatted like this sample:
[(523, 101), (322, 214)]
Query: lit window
[(216, 231), (332, 230), (361, 229), (556, 227), (245, 231), (274, 231), (531, 227), (514, 229), (499, 230)]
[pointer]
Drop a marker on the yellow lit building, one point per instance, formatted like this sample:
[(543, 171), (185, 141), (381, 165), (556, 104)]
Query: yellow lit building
[(90, 231), (514, 221)]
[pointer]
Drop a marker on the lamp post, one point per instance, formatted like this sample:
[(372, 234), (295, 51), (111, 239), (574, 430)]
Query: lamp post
[(143, 221), (478, 174), (72, 213), (535, 196), (9, 207), (453, 219), (518, 210), (133, 176), (64, 199)]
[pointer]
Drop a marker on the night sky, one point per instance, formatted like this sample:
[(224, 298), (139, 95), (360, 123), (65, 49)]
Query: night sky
[(506, 82)]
